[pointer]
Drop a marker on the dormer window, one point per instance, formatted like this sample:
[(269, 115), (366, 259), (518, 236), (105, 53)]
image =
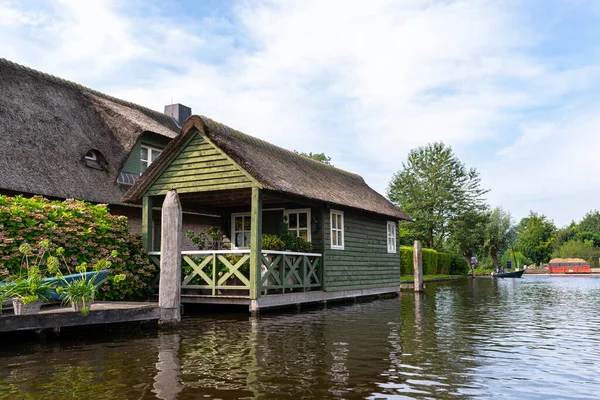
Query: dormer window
[(95, 159), (91, 155), (148, 155)]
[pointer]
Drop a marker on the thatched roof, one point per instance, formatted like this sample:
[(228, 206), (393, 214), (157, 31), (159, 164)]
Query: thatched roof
[(277, 169), (48, 124)]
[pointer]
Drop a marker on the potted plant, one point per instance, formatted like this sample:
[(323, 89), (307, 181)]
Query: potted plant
[(28, 292), (80, 289)]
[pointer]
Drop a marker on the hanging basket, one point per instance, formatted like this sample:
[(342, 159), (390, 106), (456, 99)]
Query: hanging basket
[(26, 309)]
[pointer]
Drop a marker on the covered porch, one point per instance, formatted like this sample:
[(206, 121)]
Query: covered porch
[(238, 270)]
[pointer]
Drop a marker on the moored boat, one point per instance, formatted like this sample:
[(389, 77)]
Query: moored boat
[(512, 274)]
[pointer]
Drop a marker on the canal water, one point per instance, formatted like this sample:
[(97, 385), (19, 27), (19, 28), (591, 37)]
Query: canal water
[(531, 338)]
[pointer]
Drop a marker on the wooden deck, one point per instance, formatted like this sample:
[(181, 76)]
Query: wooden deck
[(53, 317)]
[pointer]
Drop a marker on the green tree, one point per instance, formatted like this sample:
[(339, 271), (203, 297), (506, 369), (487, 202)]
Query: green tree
[(590, 223), (579, 249), (498, 233), (434, 188), (321, 157), (535, 236), (467, 233)]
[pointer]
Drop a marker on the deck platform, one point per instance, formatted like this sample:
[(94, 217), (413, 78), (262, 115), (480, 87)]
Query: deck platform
[(53, 317), (288, 299)]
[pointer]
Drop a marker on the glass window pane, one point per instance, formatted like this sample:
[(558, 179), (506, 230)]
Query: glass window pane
[(303, 233), (340, 221), (238, 223), (293, 220), (303, 220), (155, 154), (247, 223), (333, 221), (238, 240), (334, 238), (246, 239), (144, 153)]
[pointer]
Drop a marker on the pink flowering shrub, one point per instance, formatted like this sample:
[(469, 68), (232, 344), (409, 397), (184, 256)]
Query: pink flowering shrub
[(88, 233)]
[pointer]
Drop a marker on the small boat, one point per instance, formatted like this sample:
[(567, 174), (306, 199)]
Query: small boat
[(512, 274)]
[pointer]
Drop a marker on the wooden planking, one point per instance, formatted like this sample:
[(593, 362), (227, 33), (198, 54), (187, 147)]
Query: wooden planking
[(199, 167), (230, 186), (201, 176), (364, 262), (186, 161)]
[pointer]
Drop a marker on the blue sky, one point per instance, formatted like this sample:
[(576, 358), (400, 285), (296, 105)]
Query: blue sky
[(512, 86)]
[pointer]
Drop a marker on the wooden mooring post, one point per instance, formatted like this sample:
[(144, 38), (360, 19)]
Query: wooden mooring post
[(169, 291), (418, 266)]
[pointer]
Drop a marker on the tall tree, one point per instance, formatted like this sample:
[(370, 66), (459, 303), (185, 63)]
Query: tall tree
[(590, 223), (535, 235), (321, 157), (498, 233), (434, 187), (467, 233)]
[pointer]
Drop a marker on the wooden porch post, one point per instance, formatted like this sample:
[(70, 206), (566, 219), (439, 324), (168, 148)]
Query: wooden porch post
[(147, 222), (255, 244), (169, 290), (418, 266)]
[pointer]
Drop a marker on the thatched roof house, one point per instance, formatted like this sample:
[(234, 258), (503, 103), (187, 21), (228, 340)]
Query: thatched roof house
[(276, 169), (47, 127)]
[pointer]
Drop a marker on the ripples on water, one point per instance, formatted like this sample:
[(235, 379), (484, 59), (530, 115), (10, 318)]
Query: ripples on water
[(535, 337)]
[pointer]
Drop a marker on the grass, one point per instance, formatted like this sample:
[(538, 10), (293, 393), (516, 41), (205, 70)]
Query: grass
[(411, 278)]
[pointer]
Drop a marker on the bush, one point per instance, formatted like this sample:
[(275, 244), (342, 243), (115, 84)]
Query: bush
[(445, 263), (272, 242), (88, 233), (406, 260), (430, 262), (434, 262), (459, 265)]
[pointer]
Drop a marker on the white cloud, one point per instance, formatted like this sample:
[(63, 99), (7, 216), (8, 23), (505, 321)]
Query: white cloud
[(363, 84)]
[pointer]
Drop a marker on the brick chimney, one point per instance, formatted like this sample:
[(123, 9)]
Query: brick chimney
[(178, 112)]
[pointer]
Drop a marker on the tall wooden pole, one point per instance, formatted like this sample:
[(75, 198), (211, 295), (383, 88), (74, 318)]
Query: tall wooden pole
[(255, 244), (169, 291), (147, 223), (418, 266)]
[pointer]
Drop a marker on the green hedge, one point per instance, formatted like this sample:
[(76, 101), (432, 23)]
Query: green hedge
[(434, 262), (86, 232)]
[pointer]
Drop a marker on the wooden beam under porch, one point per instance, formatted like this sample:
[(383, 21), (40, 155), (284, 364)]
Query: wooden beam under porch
[(290, 299)]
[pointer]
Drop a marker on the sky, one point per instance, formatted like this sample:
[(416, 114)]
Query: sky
[(512, 86)]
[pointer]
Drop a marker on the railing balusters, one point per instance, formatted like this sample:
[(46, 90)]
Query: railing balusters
[(289, 271)]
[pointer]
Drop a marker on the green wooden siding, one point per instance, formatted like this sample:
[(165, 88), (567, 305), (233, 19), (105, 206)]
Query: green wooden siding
[(133, 164), (364, 262), (200, 166)]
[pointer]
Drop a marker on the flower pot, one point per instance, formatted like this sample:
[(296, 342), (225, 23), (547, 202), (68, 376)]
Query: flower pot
[(26, 309), (80, 305)]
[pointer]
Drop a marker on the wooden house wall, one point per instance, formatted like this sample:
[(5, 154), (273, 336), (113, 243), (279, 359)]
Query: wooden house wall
[(133, 164), (364, 262)]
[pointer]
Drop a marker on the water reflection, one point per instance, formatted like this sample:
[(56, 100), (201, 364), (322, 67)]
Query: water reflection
[(483, 338), (167, 384)]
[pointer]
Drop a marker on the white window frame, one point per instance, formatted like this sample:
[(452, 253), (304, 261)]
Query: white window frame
[(286, 214), (91, 155), (339, 230), (391, 237), (151, 158), (233, 231)]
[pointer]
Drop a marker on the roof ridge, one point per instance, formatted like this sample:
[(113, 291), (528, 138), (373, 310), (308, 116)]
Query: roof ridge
[(75, 85), (212, 124)]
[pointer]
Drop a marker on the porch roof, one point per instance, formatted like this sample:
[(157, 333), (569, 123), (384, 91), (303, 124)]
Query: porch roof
[(276, 169)]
